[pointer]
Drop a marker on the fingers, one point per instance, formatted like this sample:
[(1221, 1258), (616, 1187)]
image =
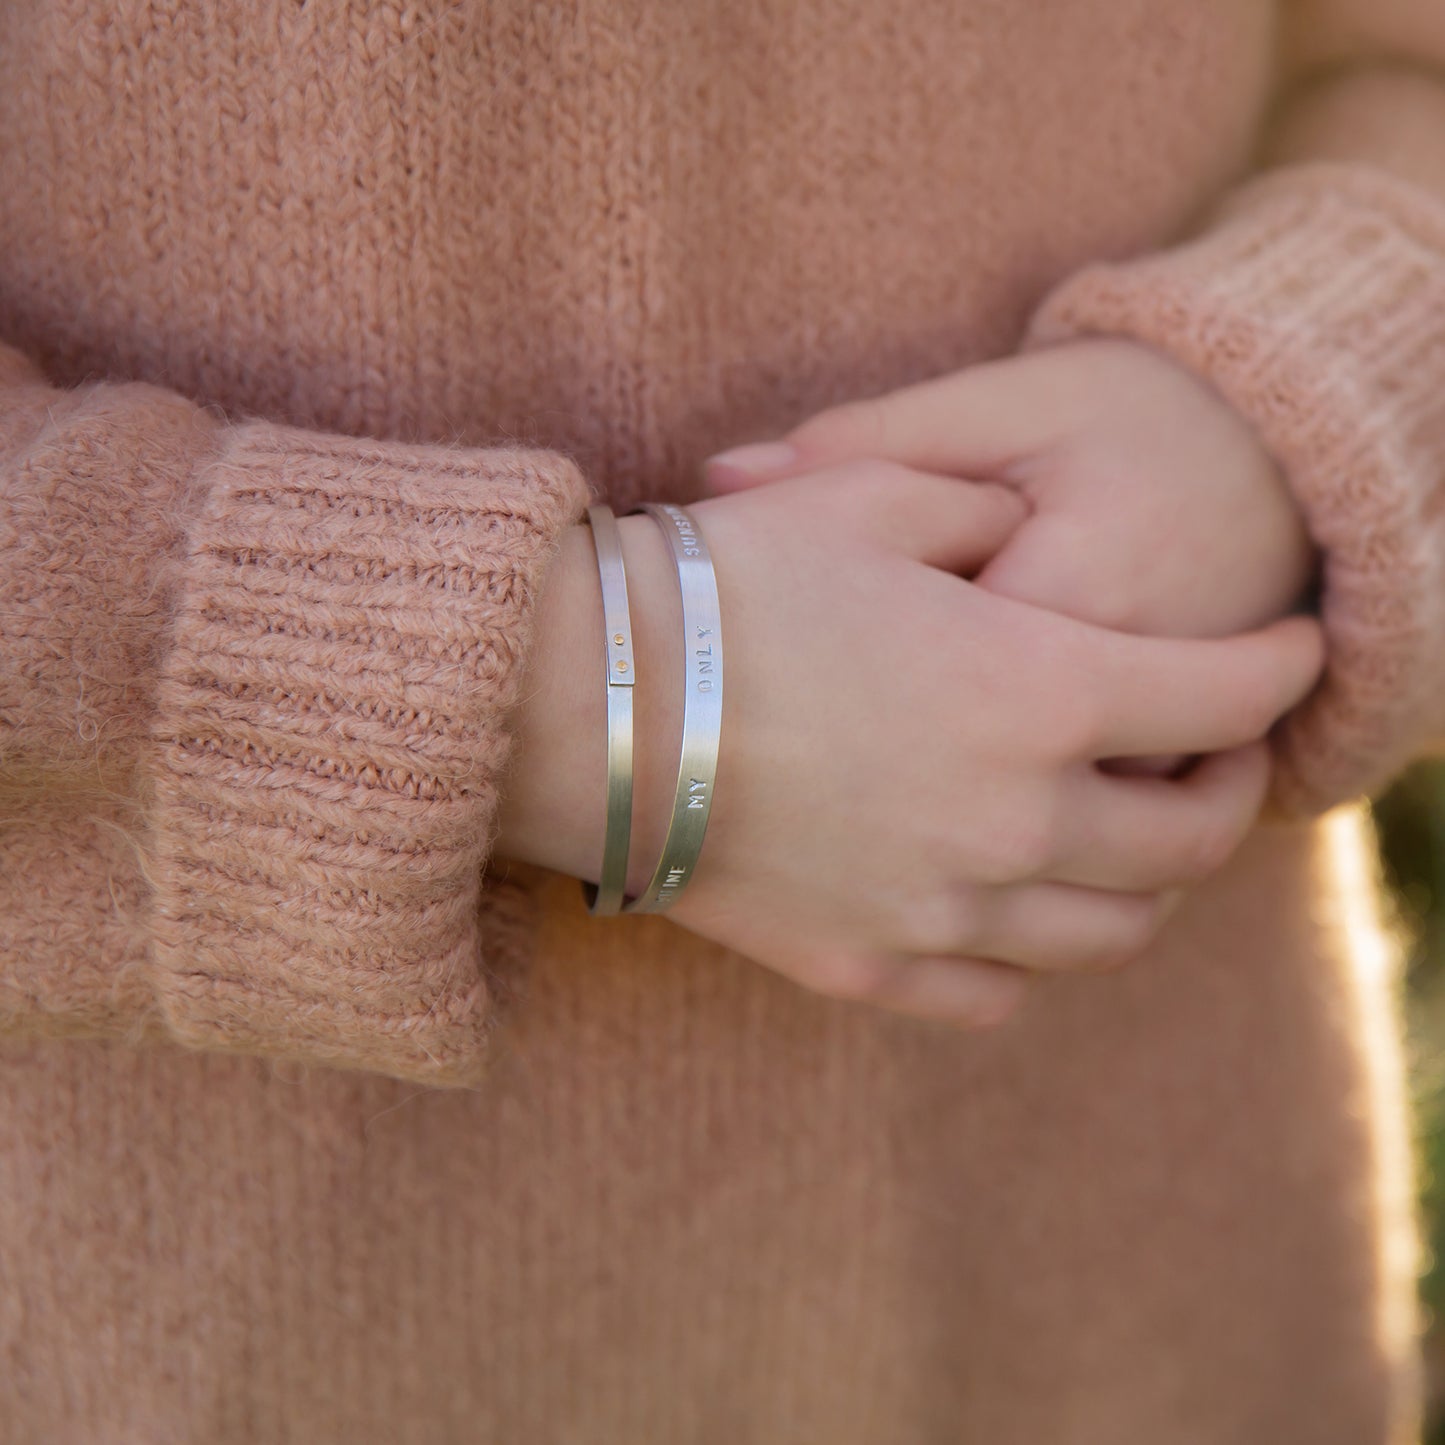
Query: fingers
[(1148, 833), (1056, 926), (1172, 695), (957, 526), (967, 423), (1041, 927)]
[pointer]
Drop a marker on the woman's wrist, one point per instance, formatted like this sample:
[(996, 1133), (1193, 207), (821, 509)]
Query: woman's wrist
[(553, 808)]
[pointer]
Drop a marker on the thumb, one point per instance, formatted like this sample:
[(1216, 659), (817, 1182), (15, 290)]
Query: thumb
[(970, 423)]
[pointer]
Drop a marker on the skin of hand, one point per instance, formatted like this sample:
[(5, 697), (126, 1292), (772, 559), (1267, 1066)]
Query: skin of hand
[(1153, 506), (908, 809)]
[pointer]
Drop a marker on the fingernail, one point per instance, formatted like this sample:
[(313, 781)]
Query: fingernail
[(756, 457)]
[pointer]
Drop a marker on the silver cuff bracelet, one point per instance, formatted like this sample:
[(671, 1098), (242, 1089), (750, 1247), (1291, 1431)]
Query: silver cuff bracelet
[(605, 898), (702, 710)]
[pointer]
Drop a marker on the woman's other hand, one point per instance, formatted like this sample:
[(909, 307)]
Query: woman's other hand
[(1154, 508)]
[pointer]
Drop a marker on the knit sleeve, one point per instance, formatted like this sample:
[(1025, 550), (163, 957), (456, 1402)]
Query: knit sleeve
[(1314, 301), (254, 694)]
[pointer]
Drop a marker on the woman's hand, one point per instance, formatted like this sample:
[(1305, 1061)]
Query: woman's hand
[(907, 809), (1154, 508)]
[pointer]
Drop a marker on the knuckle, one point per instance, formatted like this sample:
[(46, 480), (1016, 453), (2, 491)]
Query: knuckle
[(943, 923), (1019, 852)]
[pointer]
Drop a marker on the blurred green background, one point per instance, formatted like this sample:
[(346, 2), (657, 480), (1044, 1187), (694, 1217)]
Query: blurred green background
[(1411, 822)]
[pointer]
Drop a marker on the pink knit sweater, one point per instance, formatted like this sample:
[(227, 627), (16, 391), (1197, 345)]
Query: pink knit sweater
[(318, 323)]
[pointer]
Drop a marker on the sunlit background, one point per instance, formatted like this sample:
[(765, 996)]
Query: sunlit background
[(1411, 820)]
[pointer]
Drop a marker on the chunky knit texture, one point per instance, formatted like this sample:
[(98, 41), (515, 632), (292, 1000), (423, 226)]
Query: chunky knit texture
[(296, 650), (348, 627), (318, 324)]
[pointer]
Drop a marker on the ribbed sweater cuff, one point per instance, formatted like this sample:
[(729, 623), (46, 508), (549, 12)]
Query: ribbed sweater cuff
[(351, 620), (1315, 303)]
